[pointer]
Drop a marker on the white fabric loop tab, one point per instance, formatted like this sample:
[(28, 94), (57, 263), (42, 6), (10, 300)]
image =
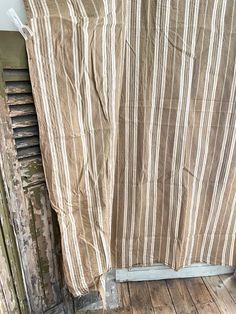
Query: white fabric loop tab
[(25, 31)]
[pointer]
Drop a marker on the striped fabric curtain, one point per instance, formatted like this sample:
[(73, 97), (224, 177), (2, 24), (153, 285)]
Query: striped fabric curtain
[(137, 118)]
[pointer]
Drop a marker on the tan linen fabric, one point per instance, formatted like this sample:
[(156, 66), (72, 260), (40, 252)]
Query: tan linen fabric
[(137, 118)]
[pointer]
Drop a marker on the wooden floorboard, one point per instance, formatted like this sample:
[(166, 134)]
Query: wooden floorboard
[(229, 282), (140, 298), (181, 298), (160, 297), (124, 298), (207, 295), (201, 296), (220, 294)]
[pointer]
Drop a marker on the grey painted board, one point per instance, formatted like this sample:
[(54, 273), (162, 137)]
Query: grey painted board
[(161, 271)]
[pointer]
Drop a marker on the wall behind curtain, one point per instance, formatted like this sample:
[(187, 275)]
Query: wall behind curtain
[(5, 21), (136, 109)]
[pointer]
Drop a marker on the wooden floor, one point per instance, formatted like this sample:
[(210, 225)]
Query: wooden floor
[(206, 295)]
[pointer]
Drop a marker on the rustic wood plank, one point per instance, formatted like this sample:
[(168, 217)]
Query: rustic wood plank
[(6, 280), (220, 294), (163, 272), (229, 282), (32, 171), (11, 75), (180, 296), (18, 87), (20, 99), (11, 250), (3, 302), (140, 298), (27, 142), (23, 122), (160, 297), (20, 215), (125, 302), (22, 132), (201, 296), (38, 202), (22, 110), (28, 152)]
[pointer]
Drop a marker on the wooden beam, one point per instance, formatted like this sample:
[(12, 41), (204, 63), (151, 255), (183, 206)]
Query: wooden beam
[(161, 271)]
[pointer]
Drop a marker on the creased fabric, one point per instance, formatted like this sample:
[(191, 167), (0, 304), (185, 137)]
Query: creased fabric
[(137, 117)]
